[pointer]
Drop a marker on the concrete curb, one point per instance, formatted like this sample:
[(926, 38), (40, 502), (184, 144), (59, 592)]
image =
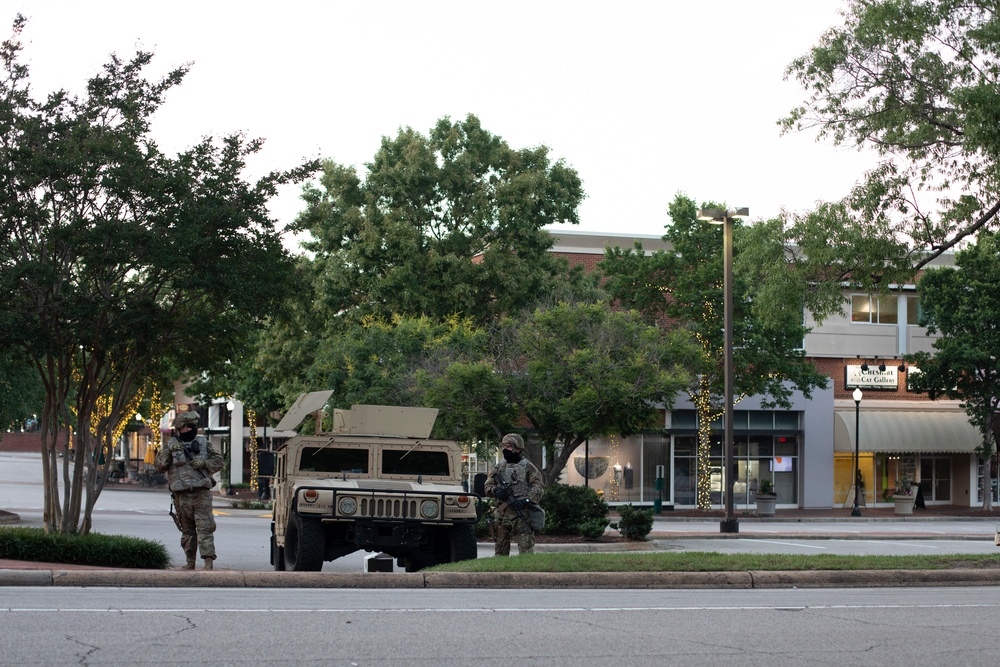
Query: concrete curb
[(512, 580)]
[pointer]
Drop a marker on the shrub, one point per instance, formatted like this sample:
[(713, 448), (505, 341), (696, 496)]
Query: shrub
[(34, 544), (569, 507), (635, 524), (485, 512), (250, 504), (593, 529)]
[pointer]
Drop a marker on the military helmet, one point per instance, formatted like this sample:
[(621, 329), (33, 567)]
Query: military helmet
[(188, 418), (515, 440)]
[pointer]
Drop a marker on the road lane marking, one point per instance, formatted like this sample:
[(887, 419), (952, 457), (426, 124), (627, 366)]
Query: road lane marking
[(786, 544)]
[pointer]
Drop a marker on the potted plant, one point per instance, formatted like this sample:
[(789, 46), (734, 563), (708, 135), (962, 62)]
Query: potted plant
[(904, 497), (766, 498)]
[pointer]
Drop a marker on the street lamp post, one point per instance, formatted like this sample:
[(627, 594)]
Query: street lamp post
[(857, 448), (716, 216)]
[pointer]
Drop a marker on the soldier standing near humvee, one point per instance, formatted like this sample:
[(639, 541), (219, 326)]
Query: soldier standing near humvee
[(514, 482), (189, 461)]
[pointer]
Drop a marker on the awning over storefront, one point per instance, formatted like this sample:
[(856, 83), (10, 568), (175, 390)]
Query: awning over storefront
[(906, 431)]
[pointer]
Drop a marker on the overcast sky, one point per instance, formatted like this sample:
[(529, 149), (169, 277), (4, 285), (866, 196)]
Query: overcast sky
[(644, 99)]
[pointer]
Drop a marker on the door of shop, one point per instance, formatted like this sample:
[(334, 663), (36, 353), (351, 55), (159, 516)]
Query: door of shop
[(935, 479)]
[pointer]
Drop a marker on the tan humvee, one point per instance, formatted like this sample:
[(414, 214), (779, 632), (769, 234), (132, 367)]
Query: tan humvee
[(375, 482)]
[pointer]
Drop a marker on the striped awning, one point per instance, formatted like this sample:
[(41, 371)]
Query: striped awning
[(905, 431)]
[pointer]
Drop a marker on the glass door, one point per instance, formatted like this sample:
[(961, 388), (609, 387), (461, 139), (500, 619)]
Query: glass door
[(935, 479)]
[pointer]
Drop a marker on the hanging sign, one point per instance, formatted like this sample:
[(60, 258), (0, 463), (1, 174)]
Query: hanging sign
[(872, 378)]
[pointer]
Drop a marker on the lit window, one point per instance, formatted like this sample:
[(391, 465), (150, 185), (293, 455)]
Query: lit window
[(874, 310)]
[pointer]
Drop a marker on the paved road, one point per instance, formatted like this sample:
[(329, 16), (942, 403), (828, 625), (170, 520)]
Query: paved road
[(500, 628)]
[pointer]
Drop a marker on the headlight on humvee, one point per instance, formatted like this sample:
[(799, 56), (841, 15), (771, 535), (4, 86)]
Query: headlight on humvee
[(429, 509), (347, 505)]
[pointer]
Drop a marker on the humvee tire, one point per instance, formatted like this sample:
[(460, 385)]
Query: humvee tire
[(305, 542), (464, 545), (277, 553)]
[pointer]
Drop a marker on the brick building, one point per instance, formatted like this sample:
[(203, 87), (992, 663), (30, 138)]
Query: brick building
[(808, 451)]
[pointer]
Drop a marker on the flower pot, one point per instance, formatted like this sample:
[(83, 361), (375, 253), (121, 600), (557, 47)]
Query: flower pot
[(765, 504), (904, 503)]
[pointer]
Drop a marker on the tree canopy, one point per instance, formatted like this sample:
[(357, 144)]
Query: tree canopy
[(449, 223), (564, 373), (118, 261), (443, 226), (917, 81), (962, 304)]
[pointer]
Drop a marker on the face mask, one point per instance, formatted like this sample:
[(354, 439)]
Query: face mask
[(511, 456), (187, 436)]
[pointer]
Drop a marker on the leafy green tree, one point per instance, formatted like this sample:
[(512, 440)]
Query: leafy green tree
[(917, 81), (962, 304), (681, 289), (450, 223), (572, 371), (565, 373), (118, 261)]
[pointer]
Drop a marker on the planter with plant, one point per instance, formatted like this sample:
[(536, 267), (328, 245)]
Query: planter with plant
[(766, 498), (904, 495)]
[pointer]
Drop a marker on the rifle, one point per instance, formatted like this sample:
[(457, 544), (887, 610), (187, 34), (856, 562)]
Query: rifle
[(173, 515), (503, 493)]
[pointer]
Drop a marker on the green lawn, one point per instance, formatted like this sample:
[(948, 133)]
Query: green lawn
[(712, 562)]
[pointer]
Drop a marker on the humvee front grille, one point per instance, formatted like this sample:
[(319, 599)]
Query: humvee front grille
[(387, 508)]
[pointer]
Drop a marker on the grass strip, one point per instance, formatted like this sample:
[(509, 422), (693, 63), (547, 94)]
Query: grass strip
[(700, 561)]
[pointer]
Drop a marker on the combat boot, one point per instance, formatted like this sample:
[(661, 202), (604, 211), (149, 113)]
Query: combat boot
[(188, 565), (208, 563)]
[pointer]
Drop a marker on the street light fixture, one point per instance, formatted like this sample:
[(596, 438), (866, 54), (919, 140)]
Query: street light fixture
[(857, 448), (718, 216)]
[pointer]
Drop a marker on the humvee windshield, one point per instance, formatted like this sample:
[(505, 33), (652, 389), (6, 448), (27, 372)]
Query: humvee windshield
[(334, 459), (414, 462)]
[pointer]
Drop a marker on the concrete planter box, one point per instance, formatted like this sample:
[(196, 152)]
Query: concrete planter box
[(765, 505), (904, 503)]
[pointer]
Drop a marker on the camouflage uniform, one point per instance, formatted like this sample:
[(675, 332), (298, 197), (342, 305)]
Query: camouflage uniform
[(525, 481), (189, 467)]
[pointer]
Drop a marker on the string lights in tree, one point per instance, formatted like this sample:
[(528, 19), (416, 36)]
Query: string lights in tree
[(613, 456), (156, 411), (703, 406), (252, 421)]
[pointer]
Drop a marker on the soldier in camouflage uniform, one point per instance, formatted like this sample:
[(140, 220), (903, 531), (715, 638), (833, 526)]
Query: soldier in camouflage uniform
[(190, 461), (525, 484)]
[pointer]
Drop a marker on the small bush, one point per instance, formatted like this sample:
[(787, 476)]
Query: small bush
[(485, 511), (568, 507), (250, 504), (34, 544), (635, 524), (593, 529)]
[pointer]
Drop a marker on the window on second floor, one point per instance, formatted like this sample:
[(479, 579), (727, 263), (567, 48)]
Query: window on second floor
[(913, 310), (874, 310)]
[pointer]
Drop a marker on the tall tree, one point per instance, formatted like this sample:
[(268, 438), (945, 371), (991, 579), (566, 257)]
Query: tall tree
[(450, 223), (682, 288), (962, 304), (917, 81), (117, 260), (447, 224)]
